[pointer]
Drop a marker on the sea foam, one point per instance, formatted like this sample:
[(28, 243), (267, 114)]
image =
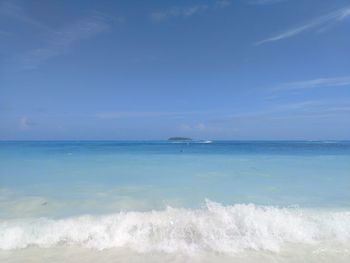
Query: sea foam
[(215, 227)]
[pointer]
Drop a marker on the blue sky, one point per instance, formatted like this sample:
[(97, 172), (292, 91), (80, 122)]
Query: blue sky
[(240, 69)]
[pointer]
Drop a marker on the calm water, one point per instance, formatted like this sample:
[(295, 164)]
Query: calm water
[(230, 198)]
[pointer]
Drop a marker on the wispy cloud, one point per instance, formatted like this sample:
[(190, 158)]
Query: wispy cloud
[(25, 123), (344, 108), (306, 109), (177, 12), (57, 40), (265, 2), (314, 83), (278, 109), (333, 17), (188, 11), (61, 40), (193, 127), (222, 3), (199, 129), (16, 12), (135, 114), (5, 108), (4, 33), (147, 114)]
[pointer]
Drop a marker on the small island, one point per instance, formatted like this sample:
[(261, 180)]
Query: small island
[(179, 139)]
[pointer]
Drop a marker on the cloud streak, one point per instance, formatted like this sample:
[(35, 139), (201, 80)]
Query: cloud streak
[(25, 123), (334, 17), (16, 12), (147, 114), (265, 2), (133, 114), (188, 11), (57, 41), (60, 41), (314, 83)]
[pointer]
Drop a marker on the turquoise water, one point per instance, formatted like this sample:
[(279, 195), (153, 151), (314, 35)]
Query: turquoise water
[(110, 176), (171, 197)]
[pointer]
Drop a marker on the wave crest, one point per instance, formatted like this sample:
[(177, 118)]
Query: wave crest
[(218, 228)]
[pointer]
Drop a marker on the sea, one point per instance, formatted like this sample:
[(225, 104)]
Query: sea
[(175, 201)]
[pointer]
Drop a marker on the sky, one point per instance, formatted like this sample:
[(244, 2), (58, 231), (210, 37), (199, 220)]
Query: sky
[(209, 69)]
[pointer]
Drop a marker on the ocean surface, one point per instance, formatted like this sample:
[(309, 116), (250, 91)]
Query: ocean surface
[(161, 201)]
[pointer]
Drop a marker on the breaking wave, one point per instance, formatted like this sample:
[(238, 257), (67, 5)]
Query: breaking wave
[(215, 227)]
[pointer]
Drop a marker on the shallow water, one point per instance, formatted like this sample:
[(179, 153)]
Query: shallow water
[(162, 201)]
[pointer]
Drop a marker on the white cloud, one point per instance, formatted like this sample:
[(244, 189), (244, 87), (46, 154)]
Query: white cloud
[(200, 128), (223, 3), (144, 114), (16, 12), (57, 41), (177, 12), (186, 11), (60, 41), (195, 127), (25, 123), (265, 2), (335, 16), (4, 33), (135, 114), (315, 83), (283, 108)]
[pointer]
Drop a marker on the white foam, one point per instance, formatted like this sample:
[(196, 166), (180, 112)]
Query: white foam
[(218, 228)]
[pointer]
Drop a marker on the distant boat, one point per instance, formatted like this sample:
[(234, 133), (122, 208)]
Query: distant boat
[(180, 139)]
